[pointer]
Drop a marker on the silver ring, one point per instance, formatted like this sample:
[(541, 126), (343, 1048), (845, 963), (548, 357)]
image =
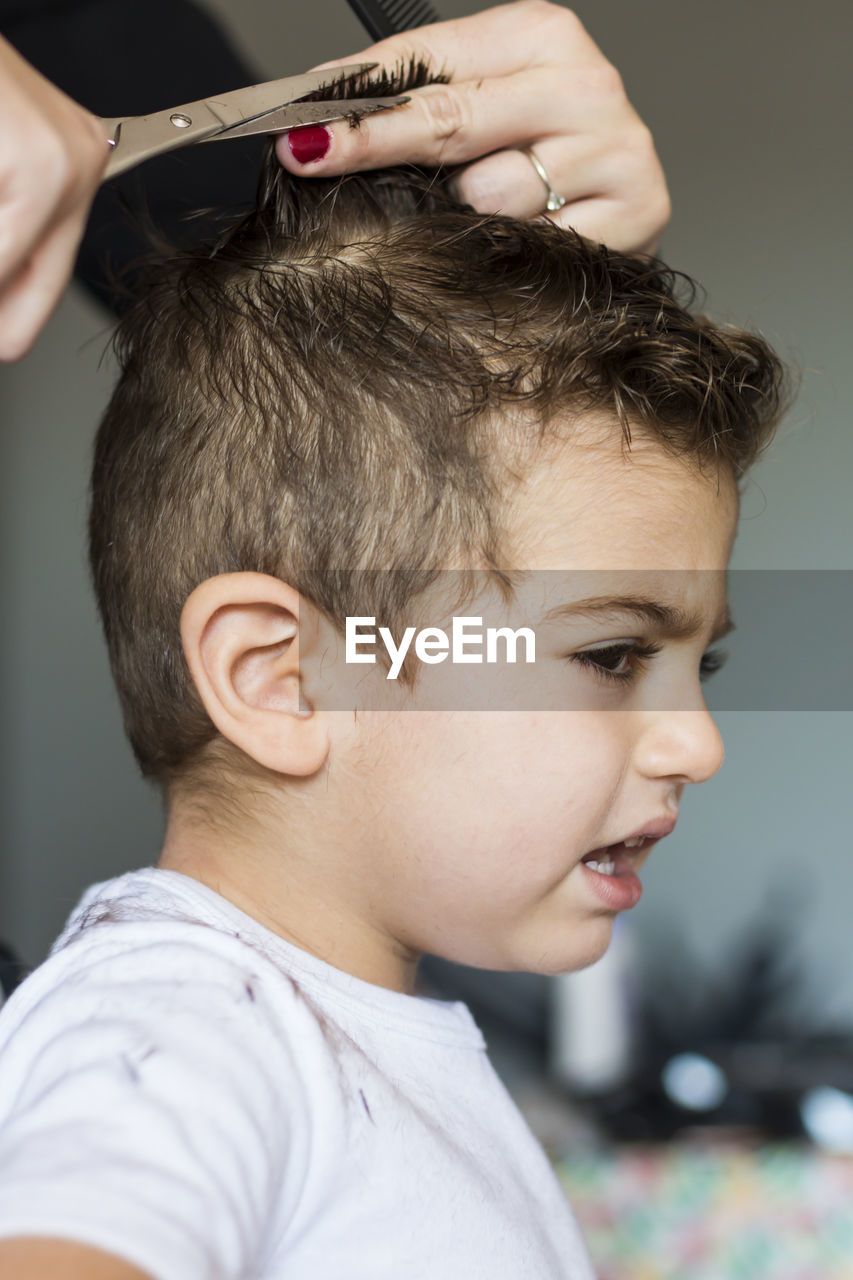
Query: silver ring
[(555, 202)]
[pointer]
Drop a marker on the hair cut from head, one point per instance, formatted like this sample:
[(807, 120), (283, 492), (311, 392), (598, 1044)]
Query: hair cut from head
[(350, 379)]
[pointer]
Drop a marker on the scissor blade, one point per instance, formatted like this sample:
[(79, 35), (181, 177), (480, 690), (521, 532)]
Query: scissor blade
[(306, 113), (257, 99)]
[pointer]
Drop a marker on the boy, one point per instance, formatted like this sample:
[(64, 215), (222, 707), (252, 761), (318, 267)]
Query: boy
[(369, 408)]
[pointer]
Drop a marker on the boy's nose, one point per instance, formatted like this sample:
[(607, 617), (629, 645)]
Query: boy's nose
[(681, 744)]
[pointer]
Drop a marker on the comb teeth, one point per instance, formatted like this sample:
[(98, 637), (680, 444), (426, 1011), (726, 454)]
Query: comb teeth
[(383, 18), (406, 14)]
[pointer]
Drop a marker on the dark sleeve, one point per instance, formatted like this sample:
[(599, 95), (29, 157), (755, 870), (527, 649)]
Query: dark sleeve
[(130, 57)]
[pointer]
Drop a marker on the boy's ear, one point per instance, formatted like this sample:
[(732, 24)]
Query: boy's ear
[(241, 635)]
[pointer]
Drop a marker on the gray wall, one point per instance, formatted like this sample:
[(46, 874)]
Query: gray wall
[(750, 109)]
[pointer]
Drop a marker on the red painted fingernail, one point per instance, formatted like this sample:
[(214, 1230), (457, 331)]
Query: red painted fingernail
[(310, 142)]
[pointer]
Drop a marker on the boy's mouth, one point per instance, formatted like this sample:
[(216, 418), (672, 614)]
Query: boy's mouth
[(611, 872), (621, 858), (616, 859)]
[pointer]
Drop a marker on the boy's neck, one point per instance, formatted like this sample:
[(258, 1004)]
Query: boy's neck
[(297, 889)]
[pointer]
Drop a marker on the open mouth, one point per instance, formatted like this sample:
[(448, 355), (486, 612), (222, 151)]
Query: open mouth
[(616, 859)]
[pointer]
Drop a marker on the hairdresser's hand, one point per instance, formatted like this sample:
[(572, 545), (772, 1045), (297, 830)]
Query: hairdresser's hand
[(52, 155), (523, 74)]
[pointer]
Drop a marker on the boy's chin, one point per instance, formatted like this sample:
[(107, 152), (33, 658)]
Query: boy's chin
[(578, 944), (585, 943)]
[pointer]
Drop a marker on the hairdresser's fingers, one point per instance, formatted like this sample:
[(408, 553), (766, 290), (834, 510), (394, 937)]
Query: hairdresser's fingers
[(52, 155), (604, 214), (604, 221), (517, 73), (450, 124), (30, 297), (523, 74), (614, 194), (50, 167), (453, 123)]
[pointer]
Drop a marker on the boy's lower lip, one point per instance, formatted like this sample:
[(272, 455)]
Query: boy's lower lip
[(622, 889)]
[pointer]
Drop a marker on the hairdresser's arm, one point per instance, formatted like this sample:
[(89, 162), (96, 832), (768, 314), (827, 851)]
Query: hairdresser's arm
[(523, 74), (34, 1258)]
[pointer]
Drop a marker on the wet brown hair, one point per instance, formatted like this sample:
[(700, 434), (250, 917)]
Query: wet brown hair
[(349, 380)]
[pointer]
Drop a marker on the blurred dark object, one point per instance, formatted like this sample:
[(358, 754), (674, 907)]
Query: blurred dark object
[(12, 970), (757, 1088), (738, 1051), (122, 57)]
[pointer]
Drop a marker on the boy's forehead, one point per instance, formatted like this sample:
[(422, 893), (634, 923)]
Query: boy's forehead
[(591, 503)]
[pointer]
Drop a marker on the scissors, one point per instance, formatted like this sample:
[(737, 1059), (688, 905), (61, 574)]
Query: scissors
[(260, 108)]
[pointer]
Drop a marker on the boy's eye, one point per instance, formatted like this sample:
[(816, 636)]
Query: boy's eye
[(712, 662), (608, 662)]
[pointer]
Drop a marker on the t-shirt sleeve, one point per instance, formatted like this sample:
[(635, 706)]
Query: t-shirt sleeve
[(149, 1103)]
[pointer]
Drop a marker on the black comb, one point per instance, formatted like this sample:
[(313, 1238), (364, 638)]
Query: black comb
[(383, 18)]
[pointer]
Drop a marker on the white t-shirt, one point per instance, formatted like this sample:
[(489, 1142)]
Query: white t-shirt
[(182, 1087)]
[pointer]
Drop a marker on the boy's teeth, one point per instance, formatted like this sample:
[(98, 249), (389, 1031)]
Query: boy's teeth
[(604, 866)]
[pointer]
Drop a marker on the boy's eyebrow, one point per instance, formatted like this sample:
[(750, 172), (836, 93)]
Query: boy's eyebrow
[(667, 619)]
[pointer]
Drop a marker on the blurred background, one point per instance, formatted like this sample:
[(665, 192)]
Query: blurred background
[(736, 966)]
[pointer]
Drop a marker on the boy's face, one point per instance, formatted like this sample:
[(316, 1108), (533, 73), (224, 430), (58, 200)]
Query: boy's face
[(466, 830)]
